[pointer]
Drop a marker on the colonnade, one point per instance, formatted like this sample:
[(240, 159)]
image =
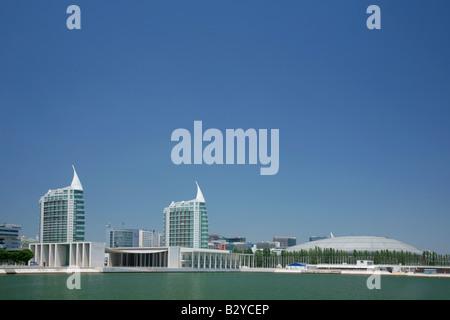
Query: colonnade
[(215, 260)]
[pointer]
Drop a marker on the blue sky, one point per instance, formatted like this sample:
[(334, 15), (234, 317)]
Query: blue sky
[(363, 114)]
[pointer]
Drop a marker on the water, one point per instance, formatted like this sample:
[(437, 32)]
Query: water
[(220, 286)]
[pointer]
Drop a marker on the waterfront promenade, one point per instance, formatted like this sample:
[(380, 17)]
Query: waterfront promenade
[(317, 269)]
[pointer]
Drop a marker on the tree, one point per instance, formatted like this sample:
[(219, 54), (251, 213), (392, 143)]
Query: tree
[(4, 256), (22, 256)]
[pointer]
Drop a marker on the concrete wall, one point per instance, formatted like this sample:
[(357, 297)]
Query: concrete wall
[(75, 254), (97, 254), (173, 259)]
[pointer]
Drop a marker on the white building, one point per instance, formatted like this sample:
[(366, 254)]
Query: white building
[(148, 238), (74, 254), (186, 223), (177, 258), (62, 215)]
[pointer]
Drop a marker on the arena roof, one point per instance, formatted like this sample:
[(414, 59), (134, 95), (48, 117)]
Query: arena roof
[(358, 243)]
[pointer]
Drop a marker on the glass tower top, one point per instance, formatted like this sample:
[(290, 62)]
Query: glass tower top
[(186, 223), (62, 214)]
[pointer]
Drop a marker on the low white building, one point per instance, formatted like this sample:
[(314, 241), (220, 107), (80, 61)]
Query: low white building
[(178, 258), (297, 266), (92, 255), (364, 263), (73, 254)]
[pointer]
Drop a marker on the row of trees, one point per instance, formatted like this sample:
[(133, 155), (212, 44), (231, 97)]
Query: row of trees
[(333, 256), (267, 259), (16, 257)]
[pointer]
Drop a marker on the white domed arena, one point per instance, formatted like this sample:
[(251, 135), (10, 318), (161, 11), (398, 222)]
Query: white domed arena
[(358, 243)]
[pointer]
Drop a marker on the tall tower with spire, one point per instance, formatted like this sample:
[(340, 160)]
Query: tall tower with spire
[(62, 215), (186, 223)]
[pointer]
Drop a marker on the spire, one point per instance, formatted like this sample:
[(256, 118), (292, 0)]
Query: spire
[(76, 184), (199, 197)]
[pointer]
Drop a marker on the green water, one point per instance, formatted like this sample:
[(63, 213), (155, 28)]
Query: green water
[(220, 286)]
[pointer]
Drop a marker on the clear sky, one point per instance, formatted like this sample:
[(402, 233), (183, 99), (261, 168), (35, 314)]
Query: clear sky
[(363, 114)]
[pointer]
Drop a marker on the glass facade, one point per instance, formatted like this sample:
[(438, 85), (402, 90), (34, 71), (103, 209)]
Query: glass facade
[(9, 236), (62, 215), (79, 216), (186, 224), (118, 238)]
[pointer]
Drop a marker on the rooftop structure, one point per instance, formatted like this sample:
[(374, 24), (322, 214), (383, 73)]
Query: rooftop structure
[(358, 243)]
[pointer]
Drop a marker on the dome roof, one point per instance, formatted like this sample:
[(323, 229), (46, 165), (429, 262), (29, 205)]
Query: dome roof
[(358, 243)]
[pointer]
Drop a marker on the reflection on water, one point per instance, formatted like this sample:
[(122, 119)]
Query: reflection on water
[(220, 286)]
